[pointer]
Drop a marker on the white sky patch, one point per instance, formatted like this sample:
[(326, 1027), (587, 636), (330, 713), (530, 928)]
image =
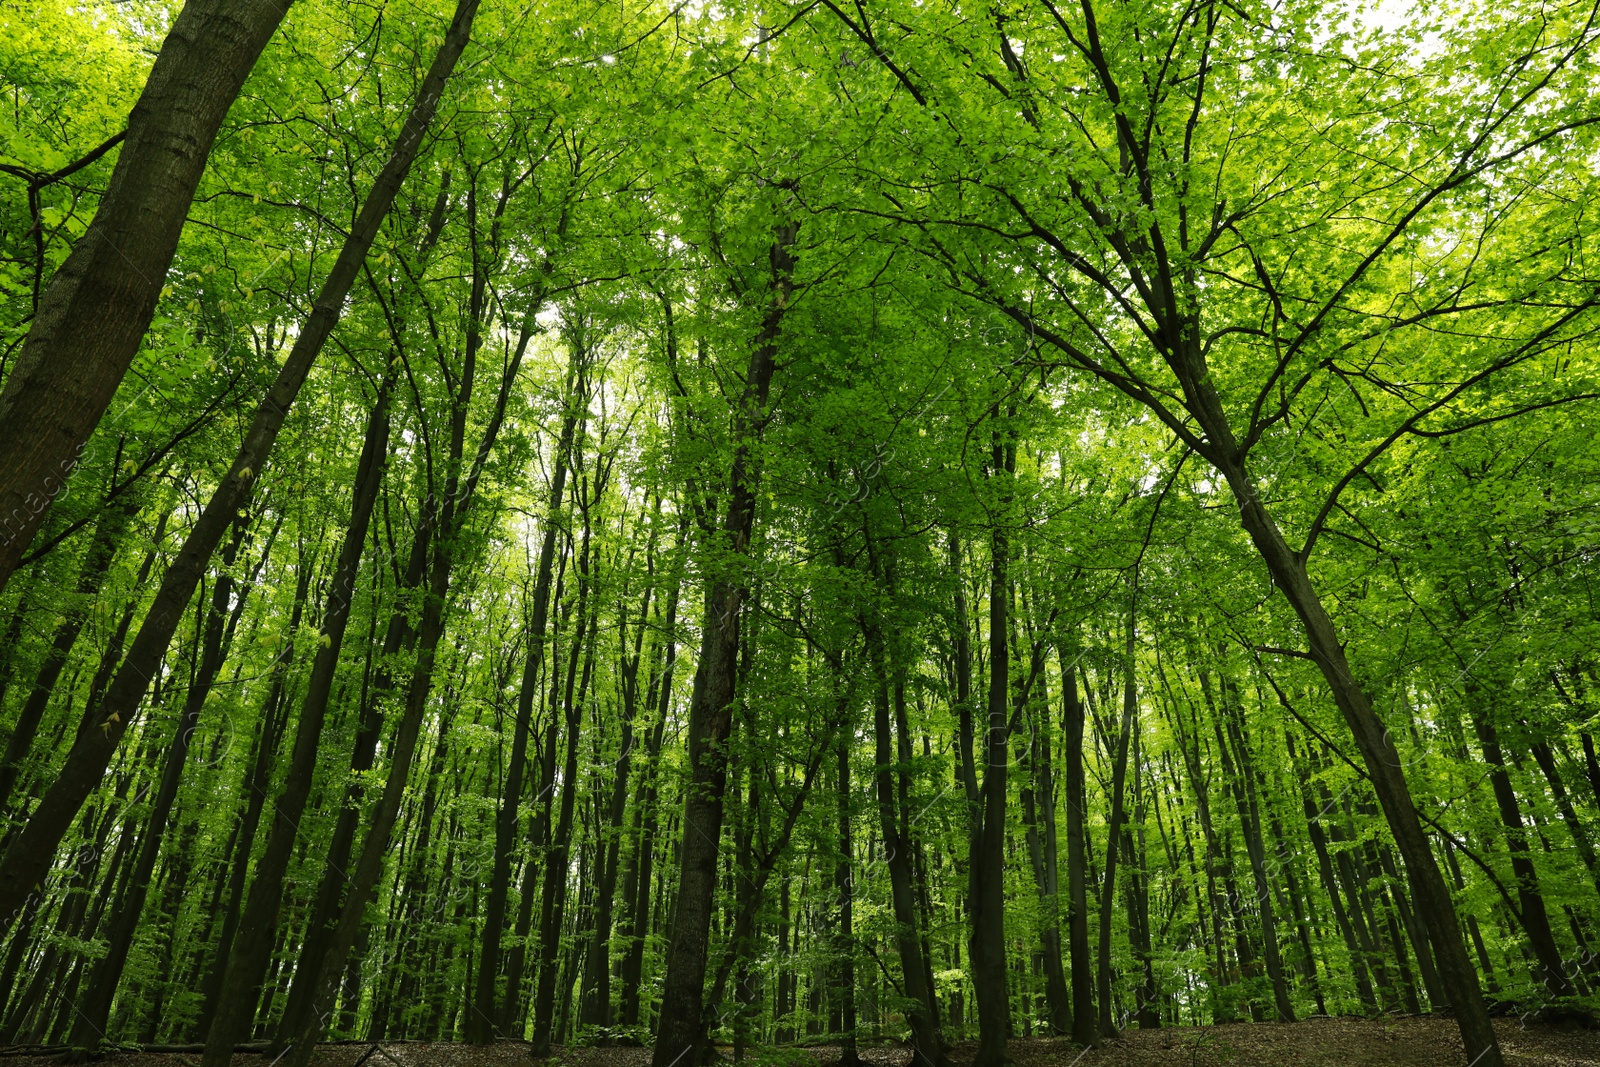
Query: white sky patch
[(1391, 16)]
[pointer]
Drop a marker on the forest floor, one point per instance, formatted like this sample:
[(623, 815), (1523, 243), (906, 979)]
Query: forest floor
[(1423, 1041)]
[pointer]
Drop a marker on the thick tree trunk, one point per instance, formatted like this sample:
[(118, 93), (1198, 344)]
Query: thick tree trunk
[(99, 304)]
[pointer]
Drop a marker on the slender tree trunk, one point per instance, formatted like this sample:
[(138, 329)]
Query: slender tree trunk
[(1569, 816), (1147, 1010), (29, 856), (1119, 771), (555, 884), (303, 1031), (513, 1009), (681, 1027), (259, 778), (926, 1049), (90, 1023), (595, 1009), (91, 575), (642, 872), (480, 1020), (244, 964), (318, 930), (1037, 796), (1330, 885), (94, 314), (1378, 753), (1535, 919), (844, 942), (1085, 1030), (987, 946), (1241, 780)]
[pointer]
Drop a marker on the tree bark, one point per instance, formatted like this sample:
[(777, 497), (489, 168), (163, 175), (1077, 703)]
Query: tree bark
[(1038, 797), (480, 1020), (89, 1025), (844, 941), (1535, 919), (98, 306), (245, 963), (987, 946), (681, 1029), (1084, 1029), (926, 1048), (1241, 780), (642, 867), (258, 779), (91, 575), (28, 859), (1119, 772), (1428, 888), (553, 906), (1330, 885)]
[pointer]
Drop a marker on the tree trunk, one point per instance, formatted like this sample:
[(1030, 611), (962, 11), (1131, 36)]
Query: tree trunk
[(1037, 797), (987, 947), (1147, 1010), (641, 868), (1084, 1029), (1119, 772), (95, 312), (844, 941), (1330, 885), (89, 1026), (1569, 816), (1428, 888), (1535, 919), (263, 758), (91, 575), (480, 1020), (681, 1029), (555, 883), (926, 1049), (27, 860), (1241, 780), (245, 964), (303, 1031)]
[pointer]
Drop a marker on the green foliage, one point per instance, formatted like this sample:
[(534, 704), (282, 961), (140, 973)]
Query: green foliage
[(1375, 243)]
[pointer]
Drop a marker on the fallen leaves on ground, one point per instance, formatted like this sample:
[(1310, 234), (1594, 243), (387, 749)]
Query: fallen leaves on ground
[(1427, 1041)]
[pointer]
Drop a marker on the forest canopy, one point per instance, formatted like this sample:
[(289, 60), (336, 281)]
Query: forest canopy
[(794, 523)]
